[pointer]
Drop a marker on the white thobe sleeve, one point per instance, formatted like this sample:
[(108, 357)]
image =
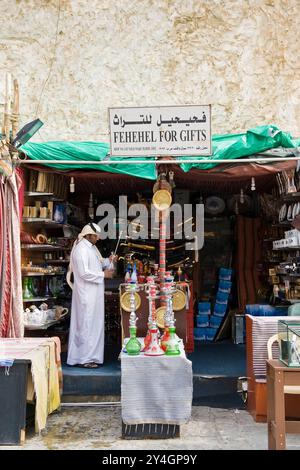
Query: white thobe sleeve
[(83, 270), (106, 263)]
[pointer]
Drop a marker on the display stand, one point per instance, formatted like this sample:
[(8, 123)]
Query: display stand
[(156, 403)]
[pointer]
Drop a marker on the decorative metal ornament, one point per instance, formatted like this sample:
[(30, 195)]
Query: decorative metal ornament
[(125, 301), (179, 300), (162, 189), (162, 200), (160, 316)]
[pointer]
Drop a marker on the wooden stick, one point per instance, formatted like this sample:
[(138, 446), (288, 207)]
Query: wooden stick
[(7, 107), (16, 109)]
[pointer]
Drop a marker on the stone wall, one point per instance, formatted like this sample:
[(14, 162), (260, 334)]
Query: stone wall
[(76, 58)]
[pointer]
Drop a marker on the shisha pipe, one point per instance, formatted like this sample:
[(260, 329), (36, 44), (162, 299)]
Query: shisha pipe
[(162, 256), (133, 346), (171, 343), (153, 348), (169, 320), (150, 281), (132, 288)]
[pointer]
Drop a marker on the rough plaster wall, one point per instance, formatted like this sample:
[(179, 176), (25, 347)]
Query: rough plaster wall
[(76, 58)]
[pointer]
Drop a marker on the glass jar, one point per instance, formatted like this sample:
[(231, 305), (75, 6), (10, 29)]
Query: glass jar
[(27, 292)]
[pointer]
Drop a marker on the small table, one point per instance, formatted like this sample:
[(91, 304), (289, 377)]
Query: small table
[(156, 395), (278, 375)]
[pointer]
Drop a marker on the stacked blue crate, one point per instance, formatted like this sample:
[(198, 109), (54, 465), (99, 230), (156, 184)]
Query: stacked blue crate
[(265, 310), (221, 304), (202, 321)]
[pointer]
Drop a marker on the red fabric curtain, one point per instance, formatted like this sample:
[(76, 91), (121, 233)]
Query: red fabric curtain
[(247, 260), (11, 306)]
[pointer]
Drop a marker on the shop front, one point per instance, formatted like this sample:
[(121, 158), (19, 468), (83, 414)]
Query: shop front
[(233, 267)]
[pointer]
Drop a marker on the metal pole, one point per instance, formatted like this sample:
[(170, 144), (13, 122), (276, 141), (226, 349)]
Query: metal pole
[(158, 162)]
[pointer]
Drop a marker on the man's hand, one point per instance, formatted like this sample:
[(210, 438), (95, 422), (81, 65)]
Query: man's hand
[(113, 258)]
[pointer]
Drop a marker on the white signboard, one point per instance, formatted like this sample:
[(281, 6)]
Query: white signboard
[(163, 130)]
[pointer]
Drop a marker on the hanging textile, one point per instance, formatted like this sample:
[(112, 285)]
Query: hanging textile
[(11, 307), (248, 260)]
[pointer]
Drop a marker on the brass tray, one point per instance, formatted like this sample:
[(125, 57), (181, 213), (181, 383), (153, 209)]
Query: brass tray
[(162, 199), (160, 317), (179, 300), (125, 301)]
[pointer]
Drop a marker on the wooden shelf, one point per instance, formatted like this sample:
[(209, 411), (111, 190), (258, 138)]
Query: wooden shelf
[(46, 325), (286, 223), (37, 247), (50, 196), (48, 222), (290, 197), (57, 261), (39, 299), (33, 274), (287, 248)]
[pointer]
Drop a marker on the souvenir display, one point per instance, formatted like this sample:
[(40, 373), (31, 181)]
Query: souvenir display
[(133, 346), (153, 348), (169, 341)]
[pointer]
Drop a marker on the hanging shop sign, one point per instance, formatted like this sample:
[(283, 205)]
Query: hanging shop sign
[(161, 130)]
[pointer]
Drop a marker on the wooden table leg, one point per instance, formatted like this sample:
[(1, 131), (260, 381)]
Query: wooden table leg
[(270, 409), (279, 410)]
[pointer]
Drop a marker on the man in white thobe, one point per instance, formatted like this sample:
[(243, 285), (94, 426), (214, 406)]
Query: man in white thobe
[(86, 339)]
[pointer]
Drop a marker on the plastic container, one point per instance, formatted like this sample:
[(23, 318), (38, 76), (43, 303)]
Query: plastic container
[(210, 333), (225, 286), (253, 309), (202, 320), (215, 321), (265, 310), (200, 334), (220, 309), (225, 274), (222, 297), (204, 307)]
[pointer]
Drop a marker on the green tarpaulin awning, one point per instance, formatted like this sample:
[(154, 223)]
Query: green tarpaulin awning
[(228, 146)]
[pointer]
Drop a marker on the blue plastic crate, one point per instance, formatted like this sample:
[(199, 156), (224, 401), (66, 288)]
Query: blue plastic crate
[(215, 321), (265, 310), (210, 333), (225, 286), (220, 309), (202, 320), (204, 307), (222, 297), (200, 334), (253, 309), (225, 274)]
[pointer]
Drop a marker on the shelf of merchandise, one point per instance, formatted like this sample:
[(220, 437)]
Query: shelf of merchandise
[(46, 325), (37, 247), (290, 197), (285, 223), (48, 222), (57, 261), (50, 196), (287, 248), (39, 299)]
